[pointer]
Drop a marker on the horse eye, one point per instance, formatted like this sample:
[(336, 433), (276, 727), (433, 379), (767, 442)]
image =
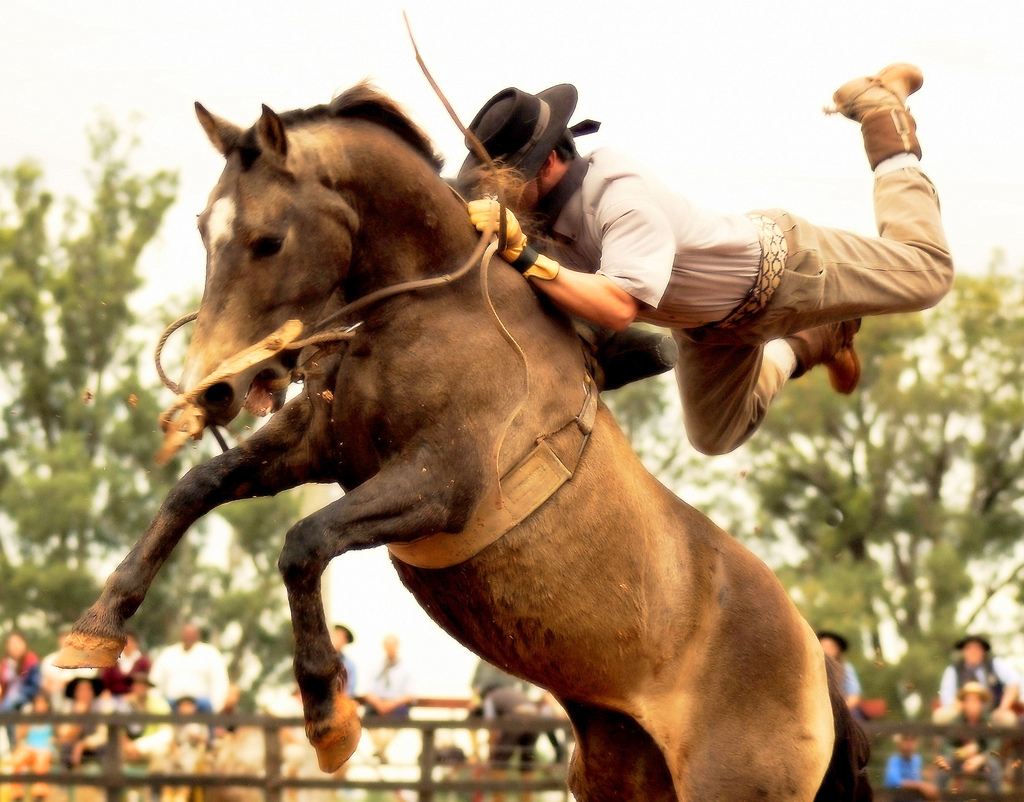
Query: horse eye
[(266, 246)]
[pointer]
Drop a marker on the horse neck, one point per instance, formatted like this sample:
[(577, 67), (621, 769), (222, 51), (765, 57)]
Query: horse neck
[(411, 225)]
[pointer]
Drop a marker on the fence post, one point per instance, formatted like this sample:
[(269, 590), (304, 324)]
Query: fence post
[(427, 757), (113, 771), (272, 760)]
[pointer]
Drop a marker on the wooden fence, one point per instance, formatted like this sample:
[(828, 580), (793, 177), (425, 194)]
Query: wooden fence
[(433, 775), (433, 770)]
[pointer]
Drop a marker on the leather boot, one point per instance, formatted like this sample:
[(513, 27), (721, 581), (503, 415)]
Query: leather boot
[(830, 345), (878, 103), (627, 356)]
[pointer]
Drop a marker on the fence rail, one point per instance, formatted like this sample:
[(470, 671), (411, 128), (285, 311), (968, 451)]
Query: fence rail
[(114, 779)]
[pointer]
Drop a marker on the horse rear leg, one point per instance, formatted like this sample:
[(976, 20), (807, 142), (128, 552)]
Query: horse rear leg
[(615, 760)]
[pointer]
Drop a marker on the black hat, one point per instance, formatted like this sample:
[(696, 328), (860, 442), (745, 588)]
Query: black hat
[(521, 129), (347, 631), (979, 639), (839, 639), (96, 682)]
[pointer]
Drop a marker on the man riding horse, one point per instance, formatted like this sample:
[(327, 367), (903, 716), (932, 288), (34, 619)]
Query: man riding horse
[(752, 300)]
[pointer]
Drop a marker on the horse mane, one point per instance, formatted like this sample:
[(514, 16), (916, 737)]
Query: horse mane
[(365, 102)]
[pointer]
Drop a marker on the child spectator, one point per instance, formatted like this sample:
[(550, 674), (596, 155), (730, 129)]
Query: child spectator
[(188, 750), (971, 756), (903, 772), (34, 751)]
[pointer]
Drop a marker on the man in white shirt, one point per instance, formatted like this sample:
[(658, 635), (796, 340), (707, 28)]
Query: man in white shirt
[(390, 694), (752, 300), (193, 669)]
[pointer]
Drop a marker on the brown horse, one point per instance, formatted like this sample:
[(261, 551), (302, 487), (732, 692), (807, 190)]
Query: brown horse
[(686, 670)]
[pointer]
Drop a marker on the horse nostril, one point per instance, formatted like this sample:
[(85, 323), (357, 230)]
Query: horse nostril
[(217, 397)]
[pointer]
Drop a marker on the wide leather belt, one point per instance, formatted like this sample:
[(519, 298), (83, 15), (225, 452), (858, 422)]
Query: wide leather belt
[(773, 260)]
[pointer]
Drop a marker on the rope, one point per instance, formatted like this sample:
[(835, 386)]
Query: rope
[(177, 324)]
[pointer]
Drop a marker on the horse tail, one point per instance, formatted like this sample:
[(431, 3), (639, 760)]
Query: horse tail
[(846, 779)]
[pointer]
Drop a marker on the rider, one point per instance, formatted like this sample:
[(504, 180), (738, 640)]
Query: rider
[(752, 300)]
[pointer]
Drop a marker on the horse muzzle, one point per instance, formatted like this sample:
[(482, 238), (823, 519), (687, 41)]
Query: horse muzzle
[(260, 390)]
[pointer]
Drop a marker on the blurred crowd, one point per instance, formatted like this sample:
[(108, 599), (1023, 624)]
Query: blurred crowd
[(978, 690), (190, 676)]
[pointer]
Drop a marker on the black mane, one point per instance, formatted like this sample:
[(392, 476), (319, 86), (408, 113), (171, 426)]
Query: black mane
[(362, 102)]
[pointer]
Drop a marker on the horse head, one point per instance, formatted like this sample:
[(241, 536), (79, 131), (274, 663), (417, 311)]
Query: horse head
[(293, 230)]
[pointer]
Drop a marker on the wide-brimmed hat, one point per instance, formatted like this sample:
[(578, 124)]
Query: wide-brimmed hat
[(841, 642), (521, 129), (347, 631), (979, 639), (96, 682), (975, 689)]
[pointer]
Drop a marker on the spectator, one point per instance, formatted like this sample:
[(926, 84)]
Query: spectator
[(341, 636), (55, 680), (835, 645), (192, 669), (118, 678), (34, 751), (978, 665), (501, 695), (79, 742), (903, 772), (391, 694), (188, 749), (971, 756), (145, 743), (19, 677)]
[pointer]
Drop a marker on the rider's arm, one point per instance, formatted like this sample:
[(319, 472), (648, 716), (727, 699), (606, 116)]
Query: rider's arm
[(592, 296)]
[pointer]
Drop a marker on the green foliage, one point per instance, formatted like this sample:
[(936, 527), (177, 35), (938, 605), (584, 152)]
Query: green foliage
[(78, 424)]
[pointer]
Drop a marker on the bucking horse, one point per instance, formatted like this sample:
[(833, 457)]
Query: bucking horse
[(458, 412)]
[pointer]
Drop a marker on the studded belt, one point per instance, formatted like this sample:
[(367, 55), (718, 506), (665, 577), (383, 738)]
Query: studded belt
[(769, 273)]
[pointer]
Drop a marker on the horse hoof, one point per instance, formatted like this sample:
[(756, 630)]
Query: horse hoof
[(336, 738), (89, 651)]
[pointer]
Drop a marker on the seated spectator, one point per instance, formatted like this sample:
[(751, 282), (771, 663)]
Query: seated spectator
[(117, 678), (903, 772), (500, 694), (34, 751), (79, 742), (971, 756), (391, 694), (835, 645), (188, 750), (192, 669), (977, 664), (341, 637), (145, 743), (19, 678)]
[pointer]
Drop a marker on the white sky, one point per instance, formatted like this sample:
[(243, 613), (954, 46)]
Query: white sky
[(724, 98)]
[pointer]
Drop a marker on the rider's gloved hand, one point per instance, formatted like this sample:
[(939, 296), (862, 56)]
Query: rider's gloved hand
[(485, 211), (517, 253)]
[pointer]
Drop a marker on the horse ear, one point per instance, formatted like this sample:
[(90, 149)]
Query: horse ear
[(225, 136), (271, 134)]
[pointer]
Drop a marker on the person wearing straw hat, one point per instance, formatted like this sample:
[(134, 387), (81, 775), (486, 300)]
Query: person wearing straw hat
[(973, 756), (978, 664), (752, 300)]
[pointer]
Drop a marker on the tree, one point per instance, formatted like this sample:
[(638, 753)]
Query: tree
[(903, 502), (78, 429)]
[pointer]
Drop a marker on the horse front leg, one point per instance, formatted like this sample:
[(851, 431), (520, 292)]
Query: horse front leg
[(263, 466), (402, 502)]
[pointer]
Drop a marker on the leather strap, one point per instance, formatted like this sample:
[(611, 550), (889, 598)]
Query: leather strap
[(520, 492)]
